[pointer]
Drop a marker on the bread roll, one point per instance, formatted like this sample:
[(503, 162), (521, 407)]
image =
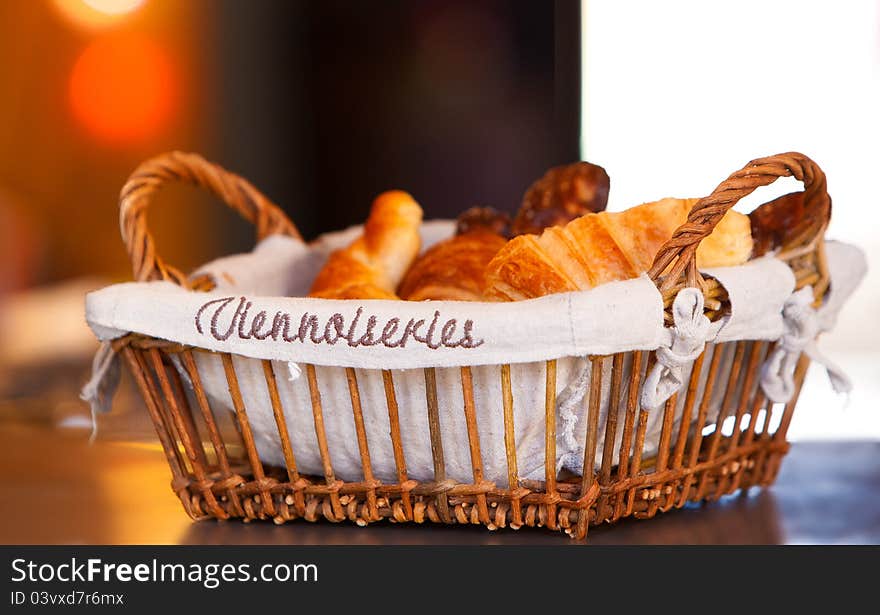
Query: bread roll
[(373, 265), (599, 248)]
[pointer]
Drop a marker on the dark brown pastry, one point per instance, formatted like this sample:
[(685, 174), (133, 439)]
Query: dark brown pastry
[(774, 222), (485, 219), (563, 194)]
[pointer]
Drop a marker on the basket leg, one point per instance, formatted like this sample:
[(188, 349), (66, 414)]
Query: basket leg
[(625, 450), (397, 445), (188, 422), (513, 488), (684, 427), (773, 464), (589, 486), (363, 445), (639, 447), (336, 511), (263, 484), (186, 437), (614, 408), (179, 480), (551, 494), (715, 438), (702, 412), (293, 476), (467, 387), (436, 441), (725, 483), (228, 478)]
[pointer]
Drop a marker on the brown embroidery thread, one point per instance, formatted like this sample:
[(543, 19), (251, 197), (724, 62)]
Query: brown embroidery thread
[(334, 329)]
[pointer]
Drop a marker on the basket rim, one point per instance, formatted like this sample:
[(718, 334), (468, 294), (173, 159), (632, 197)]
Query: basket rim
[(111, 320)]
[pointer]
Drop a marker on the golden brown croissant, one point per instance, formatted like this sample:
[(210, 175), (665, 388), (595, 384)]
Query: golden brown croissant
[(373, 265), (453, 269), (599, 248)]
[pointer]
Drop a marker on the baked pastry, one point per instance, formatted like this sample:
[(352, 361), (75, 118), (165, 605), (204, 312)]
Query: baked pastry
[(777, 221), (454, 269), (561, 195), (485, 218), (599, 248), (373, 265)]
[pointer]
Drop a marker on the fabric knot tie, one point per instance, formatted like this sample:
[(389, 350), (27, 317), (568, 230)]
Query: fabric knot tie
[(799, 321), (98, 391), (801, 325), (688, 339)]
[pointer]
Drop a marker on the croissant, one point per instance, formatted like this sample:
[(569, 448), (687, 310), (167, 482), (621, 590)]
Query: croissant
[(454, 269), (373, 265), (599, 248)]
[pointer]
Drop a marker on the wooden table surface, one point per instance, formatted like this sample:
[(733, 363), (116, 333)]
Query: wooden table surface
[(55, 488)]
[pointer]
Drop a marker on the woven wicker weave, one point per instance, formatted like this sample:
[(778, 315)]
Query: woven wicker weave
[(217, 473)]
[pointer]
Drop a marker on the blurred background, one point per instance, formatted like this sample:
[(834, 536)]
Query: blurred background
[(323, 104)]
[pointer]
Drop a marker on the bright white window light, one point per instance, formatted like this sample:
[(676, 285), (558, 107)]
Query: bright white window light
[(680, 93)]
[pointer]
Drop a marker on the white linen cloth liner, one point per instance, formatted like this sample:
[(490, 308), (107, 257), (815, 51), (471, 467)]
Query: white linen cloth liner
[(612, 318)]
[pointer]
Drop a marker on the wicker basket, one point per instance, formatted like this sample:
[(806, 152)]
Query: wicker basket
[(217, 472)]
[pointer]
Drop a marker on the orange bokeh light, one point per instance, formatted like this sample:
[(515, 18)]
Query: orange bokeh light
[(122, 88)]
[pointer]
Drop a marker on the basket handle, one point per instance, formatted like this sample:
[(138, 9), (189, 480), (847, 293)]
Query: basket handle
[(146, 180), (681, 249)]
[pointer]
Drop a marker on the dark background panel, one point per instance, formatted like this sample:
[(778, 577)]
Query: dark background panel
[(326, 104)]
